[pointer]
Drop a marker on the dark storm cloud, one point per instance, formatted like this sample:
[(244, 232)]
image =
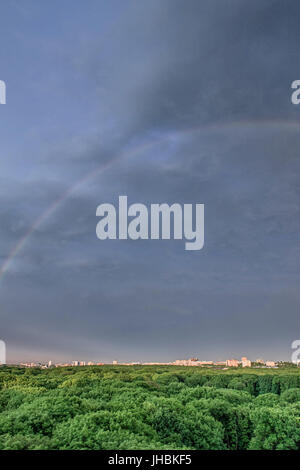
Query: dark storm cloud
[(158, 69), (200, 63)]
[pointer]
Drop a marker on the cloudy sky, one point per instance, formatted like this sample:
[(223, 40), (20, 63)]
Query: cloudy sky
[(162, 101)]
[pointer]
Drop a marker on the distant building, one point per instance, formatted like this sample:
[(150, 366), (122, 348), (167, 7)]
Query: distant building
[(246, 362), (115, 363), (186, 362), (260, 361), (180, 362), (232, 363), (270, 364)]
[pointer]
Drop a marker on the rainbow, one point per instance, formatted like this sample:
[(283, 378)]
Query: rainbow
[(126, 155)]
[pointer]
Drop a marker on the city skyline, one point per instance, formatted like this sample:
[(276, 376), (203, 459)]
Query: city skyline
[(244, 362), (232, 361)]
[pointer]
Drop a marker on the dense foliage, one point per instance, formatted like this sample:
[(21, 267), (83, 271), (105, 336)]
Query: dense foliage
[(149, 407)]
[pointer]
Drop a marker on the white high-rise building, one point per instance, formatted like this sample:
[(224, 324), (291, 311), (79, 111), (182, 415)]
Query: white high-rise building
[(246, 362)]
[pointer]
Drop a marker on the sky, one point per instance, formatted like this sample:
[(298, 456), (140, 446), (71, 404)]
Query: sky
[(162, 101)]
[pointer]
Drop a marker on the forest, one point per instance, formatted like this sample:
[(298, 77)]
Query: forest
[(149, 407)]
